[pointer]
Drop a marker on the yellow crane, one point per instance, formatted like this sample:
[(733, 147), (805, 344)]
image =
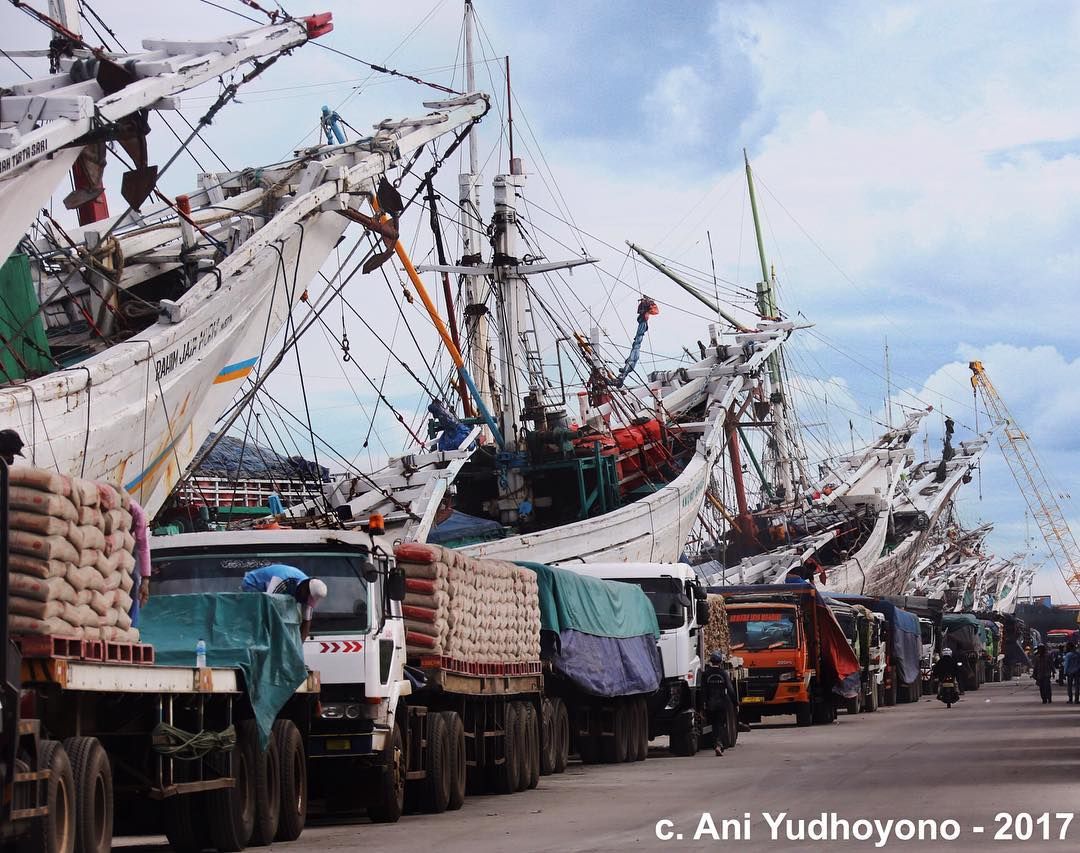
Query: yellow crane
[(1029, 476)]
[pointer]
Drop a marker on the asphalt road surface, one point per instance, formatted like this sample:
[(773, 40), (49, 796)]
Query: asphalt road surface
[(998, 752)]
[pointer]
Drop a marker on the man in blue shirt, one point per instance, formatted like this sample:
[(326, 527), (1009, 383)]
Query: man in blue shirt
[(1072, 673), (279, 579)]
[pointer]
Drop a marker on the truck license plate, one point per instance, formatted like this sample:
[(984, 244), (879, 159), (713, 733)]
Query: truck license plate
[(339, 743), (748, 699)]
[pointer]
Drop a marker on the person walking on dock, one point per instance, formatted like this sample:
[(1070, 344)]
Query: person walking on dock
[(1042, 670), (1072, 673)]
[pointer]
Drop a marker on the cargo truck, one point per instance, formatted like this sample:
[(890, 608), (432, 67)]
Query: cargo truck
[(865, 631), (404, 728), (797, 658), (902, 680), (677, 710), (92, 732), (964, 635)]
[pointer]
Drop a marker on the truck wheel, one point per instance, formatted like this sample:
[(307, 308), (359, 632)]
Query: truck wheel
[(388, 801), (824, 712), (547, 737), (870, 703), (890, 694), (804, 714), (230, 812), (185, 832), (588, 738), (521, 748), (293, 768), (639, 738), (267, 795), (504, 776), (435, 788), (684, 738), (455, 735), (55, 833), (93, 794), (854, 706), (532, 738), (642, 747), (733, 728), (561, 737), (614, 748)]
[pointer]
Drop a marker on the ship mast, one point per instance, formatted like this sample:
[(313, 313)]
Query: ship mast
[(472, 233), (766, 305)]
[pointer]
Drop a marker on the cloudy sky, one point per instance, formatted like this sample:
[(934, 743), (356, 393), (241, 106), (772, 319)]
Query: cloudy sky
[(917, 169)]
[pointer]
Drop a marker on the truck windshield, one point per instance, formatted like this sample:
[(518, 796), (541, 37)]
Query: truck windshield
[(345, 608), (664, 594), (759, 630), (927, 630), (847, 625)]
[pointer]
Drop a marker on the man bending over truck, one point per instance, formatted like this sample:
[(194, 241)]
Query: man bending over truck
[(279, 579)]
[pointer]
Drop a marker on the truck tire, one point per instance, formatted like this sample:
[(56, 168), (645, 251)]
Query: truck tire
[(388, 800), (854, 706), (267, 795), (613, 748), (824, 712), (685, 738), (93, 794), (804, 714), (435, 787), (55, 833), (294, 791), (588, 737), (521, 748), (455, 734), (890, 693), (642, 747), (532, 737), (870, 704), (504, 776), (230, 812), (561, 735), (186, 833), (548, 742)]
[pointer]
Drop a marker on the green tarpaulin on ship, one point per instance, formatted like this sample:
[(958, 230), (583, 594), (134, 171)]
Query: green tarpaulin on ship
[(256, 633), (24, 349)]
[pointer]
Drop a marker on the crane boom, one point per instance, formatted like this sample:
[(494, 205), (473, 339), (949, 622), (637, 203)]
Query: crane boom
[(1029, 476)]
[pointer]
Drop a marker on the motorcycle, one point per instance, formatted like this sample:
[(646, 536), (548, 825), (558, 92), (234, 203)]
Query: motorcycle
[(948, 692)]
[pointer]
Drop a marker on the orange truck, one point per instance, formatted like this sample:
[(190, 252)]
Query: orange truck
[(798, 658)]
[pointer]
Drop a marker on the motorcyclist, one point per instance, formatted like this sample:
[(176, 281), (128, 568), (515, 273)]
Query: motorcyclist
[(948, 666)]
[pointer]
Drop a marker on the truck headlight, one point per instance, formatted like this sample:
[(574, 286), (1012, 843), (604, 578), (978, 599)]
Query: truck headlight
[(788, 676), (332, 711), (352, 712)]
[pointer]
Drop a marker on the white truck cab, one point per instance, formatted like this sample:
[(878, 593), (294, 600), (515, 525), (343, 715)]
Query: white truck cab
[(681, 609)]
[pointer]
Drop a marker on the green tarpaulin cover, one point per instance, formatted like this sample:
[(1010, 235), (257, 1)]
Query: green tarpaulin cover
[(25, 349), (569, 601), (256, 633)]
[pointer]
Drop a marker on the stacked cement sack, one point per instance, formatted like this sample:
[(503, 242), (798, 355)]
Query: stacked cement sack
[(476, 611), (70, 557), (717, 634)]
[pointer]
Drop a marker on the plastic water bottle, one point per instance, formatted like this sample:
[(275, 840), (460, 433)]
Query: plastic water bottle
[(200, 654)]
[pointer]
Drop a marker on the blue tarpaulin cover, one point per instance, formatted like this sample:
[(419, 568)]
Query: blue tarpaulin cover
[(607, 632), (255, 633), (461, 528), (905, 639)]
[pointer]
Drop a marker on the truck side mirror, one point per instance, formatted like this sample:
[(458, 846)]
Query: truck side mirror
[(369, 572), (395, 585), (702, 612)]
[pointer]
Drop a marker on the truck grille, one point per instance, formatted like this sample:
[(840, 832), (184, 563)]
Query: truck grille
[(763, 681)]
